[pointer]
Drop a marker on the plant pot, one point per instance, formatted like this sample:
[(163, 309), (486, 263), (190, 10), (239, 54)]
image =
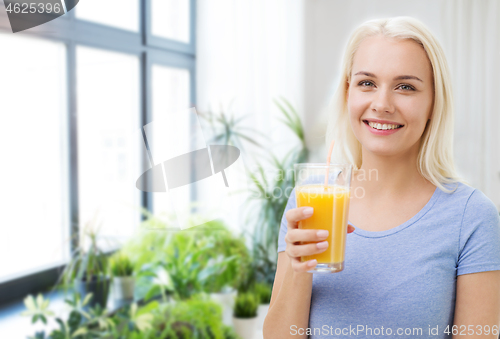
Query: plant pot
[(261, 315), (226, 300), (246, 328), (99, 288), (123, 288)]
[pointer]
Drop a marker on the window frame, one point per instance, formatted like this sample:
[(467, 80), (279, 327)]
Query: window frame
[(149, 49), (160, 58), (169, 44)]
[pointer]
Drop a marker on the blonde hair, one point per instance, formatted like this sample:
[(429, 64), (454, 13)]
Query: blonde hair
[(435, 155)]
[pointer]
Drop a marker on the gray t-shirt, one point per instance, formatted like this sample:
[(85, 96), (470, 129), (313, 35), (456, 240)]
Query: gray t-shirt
[(402, 282)]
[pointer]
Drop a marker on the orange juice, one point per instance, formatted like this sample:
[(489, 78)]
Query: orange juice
[(331, 211)]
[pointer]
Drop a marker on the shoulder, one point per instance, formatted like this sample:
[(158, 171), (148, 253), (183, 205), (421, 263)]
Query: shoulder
[(479, 235), (458, 190), (473, 199), (451, 199), (475, 210), (468, 198), (480, 207), (467, 203)]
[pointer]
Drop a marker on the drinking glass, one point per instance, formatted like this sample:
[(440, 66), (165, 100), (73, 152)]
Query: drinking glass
[(331, 209)]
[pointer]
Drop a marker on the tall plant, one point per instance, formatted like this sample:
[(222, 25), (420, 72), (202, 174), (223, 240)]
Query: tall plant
[(87, 262), (269, 192), (272, 193), (227, 129), (292, 120), (230, 249)]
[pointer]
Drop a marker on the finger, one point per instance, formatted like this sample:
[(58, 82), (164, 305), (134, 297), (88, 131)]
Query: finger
[(296, 251), (305, 266), (297, 235), (350, 229), (294, 215)]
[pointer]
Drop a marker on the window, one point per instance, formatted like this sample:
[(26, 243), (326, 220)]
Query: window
[(34, 213), (170, 19), (169, 24), (108, 115), (122, 14), (170, 96), (75, 92)]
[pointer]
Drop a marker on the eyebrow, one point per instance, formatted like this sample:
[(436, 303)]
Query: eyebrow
[(400, 77)]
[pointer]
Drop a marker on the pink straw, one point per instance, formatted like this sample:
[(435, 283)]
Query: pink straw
[(328, 162)]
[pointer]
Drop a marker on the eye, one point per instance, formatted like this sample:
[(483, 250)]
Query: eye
[(364, 82), (408, 87)]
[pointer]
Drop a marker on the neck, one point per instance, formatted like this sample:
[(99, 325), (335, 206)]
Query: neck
[(395, 175)]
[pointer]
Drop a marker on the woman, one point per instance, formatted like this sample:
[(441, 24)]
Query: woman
[(423, 260)]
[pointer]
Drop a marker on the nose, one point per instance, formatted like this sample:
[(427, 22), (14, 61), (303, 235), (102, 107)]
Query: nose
[(382, 102)]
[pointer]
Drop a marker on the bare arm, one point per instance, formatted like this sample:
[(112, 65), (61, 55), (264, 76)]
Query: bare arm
[(477, 308), (290, 301), (291, 296)]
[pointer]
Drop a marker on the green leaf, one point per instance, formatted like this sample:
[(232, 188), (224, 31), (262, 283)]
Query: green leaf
[(290, 107), (148, 308), (87, 299), (283, 110), (39, 300), (80, 331), (152, 292), (29, 302), (62, 325), (250, 140), (74, 320)]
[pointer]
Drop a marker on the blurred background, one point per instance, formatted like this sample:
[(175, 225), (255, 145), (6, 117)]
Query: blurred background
[(75, 91)]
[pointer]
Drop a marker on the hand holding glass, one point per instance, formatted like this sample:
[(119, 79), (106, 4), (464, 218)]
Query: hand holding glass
[(331, 209)]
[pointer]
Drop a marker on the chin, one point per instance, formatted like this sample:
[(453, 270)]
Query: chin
[(382, 150)]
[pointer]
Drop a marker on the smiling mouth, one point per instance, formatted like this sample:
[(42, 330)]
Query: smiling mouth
[(382, 127)]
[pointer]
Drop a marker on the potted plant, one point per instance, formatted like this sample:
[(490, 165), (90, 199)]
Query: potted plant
[(87, 269), (225, 298), (229, 333), (196, 317), (185, 263), (78, 324), (245, 314), (122, 272), (230, 256), (129, 322), (263, 292)]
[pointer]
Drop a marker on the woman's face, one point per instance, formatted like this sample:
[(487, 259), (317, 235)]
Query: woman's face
[(391, 89)]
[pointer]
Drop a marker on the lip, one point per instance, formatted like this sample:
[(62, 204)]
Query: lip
[(383, 121), (381, 132)]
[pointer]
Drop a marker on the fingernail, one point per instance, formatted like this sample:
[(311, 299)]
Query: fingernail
[(321, 245), (312, 263), (322, 234), (308, 211)]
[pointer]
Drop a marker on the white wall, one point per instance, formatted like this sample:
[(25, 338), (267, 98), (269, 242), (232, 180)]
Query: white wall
[(250, 52)]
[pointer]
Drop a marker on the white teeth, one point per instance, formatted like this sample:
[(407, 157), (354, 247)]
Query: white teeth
[(382, 126)]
